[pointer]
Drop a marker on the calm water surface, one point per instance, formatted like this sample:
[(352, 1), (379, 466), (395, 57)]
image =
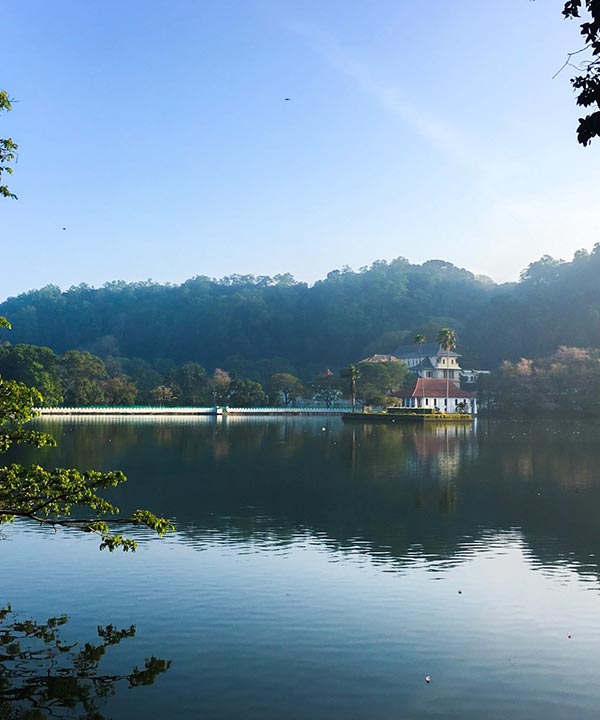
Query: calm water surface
[(322, 571)]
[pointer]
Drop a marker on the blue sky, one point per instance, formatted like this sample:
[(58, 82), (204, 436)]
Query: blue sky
[(156, 132)]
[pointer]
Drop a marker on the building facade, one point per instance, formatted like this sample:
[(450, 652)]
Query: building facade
[(429, 360), (437, 394)]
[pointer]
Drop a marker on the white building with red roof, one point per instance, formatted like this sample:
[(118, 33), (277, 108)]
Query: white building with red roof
[(435, 393)]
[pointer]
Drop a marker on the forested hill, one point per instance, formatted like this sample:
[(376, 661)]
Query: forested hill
[(257, 326)]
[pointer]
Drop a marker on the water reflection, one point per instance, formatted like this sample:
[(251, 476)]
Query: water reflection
[(43, 676), (395, 493)]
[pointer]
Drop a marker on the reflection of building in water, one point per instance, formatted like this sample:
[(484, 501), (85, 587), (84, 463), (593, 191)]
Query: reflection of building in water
[(392, 453), (442, 450)]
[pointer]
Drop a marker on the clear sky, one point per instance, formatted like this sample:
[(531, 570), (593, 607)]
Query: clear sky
[(157, 133)]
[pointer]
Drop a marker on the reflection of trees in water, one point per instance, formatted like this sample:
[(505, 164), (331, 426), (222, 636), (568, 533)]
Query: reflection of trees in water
[(561, 464), (387, 489), (42, 676)]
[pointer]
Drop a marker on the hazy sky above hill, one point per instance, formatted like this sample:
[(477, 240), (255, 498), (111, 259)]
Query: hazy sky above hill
[(157, 133)]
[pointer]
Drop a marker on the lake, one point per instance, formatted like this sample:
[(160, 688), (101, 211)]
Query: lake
[(323, 571)]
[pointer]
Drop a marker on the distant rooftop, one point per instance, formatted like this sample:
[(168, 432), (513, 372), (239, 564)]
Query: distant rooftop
[(425, 364), (433, 388), (380, 358)]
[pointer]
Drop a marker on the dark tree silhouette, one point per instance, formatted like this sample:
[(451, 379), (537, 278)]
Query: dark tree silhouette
[(42, 676), (587, 83)]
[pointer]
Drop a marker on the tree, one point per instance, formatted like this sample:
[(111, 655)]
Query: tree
[(138, 371), (48, 497), (219, 386), (286, 387), (82, 376), (191, 379), (34, 366), (378, 381), (246, 393), (568, 382), (119, 390), (327, 388), (542, 271), (8, 149), (588, 83), (42, 676), (163, 395), (447, 341), (353, 374)]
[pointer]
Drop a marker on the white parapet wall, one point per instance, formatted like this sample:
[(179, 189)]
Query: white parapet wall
[(220, 410)]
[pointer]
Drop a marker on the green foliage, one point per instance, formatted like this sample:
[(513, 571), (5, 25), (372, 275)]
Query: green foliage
[(386, 343), (119, 390), (587, 84), (50, 496), (16, 403), (163, 395), (253, 328), (447, 339), (218, 387), (43, 676), (379, 380), (246, 393), (297, 330), (567, 383), (8, 149), (191, 384), (34, 366), (542, 271), (83, 377), (327, 389), (285, 388)]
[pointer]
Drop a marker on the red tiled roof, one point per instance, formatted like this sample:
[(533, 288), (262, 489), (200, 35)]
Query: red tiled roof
[(433, 388)]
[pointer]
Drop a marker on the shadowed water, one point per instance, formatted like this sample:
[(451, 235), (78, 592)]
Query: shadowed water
[(322, 571)]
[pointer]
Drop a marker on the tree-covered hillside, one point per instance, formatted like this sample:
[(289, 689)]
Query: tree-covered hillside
[(256, 326)]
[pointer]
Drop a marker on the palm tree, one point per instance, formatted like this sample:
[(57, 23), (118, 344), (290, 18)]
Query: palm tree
[(447, 341), (353, 373), (419, 340)]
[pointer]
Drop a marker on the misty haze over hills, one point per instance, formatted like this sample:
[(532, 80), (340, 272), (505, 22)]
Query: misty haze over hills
[(259, 325)]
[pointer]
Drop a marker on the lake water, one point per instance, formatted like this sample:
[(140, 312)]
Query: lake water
[(323, 571)]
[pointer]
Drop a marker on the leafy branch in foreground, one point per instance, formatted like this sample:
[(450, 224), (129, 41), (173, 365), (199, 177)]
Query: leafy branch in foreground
[(50, 496), (8, 149), (587, 84), (42, 676)]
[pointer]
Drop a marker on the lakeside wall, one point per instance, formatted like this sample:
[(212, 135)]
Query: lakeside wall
[(145, 410)]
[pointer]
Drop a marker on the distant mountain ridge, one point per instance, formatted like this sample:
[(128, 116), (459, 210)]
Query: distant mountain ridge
[(257, 326)]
